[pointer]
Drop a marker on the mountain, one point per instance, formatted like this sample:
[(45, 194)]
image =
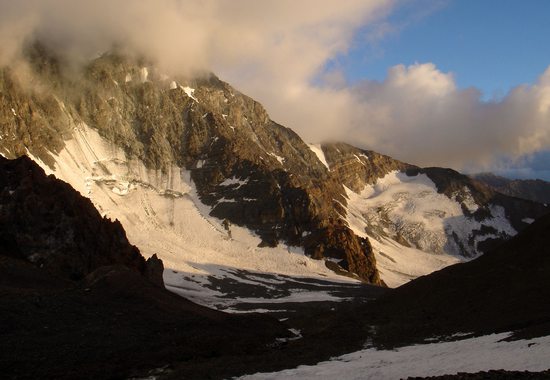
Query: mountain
[(246, 168), (421, 219), (533, 189), (246, 218), (199, 174)]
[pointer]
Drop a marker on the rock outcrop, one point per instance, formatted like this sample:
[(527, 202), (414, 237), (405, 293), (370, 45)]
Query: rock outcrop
[(47, 223)]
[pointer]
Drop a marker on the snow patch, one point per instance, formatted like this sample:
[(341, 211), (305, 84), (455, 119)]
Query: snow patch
[(528, 220), (467, 199), (359, 159), (278, 158), (173, 85), (297, 335), (234, 181), (190, 92), (143, 74), (316, 148), (435, 359)]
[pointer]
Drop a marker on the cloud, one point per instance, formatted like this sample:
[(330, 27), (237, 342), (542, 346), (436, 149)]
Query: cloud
[(278, 52), (271, 50), (419, 115)]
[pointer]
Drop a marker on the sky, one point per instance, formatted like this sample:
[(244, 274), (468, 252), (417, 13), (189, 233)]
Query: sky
[(491, 46), (456, 83)]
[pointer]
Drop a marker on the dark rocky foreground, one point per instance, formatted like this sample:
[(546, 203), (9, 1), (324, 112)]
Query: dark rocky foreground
[(77, 301), (504, 290), (83, 303)]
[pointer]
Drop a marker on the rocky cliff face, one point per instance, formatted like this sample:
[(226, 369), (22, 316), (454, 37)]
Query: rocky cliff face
[(356, 168), (47, 223), (248, 169)]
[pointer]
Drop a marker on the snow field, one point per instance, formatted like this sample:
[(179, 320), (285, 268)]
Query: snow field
[(411, 207), (162, 214), (434, 359)]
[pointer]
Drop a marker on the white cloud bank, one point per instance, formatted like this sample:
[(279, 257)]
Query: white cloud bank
[(418, 114), (276, 50)]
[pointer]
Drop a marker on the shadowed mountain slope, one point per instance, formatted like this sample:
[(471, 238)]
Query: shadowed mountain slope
[(503, 290), (533, 189)]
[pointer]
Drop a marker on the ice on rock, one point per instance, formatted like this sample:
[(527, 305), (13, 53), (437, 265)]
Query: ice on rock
[(316, 148), (190, 92), (234, 181), (143, 74)]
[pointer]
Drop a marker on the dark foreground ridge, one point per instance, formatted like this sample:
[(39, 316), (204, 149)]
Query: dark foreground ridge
[(504, 290), (45, 222)]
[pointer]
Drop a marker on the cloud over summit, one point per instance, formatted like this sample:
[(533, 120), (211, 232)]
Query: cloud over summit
[(276, 51), (418, 114)]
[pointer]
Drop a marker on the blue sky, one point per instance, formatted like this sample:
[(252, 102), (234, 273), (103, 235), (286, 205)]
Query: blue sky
[(492, 45)]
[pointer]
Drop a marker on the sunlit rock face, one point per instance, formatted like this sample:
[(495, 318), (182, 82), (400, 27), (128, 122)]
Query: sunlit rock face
[(246, 168)]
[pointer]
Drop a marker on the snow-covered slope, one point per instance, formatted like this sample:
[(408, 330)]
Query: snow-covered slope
[(414, 229), (162, 214)]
